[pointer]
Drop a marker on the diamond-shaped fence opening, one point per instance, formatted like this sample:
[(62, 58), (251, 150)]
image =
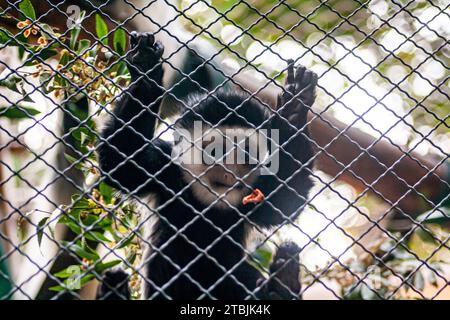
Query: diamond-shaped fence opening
[(272, 149)]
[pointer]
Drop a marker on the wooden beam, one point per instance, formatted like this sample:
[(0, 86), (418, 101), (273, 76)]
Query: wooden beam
[(399, 177)]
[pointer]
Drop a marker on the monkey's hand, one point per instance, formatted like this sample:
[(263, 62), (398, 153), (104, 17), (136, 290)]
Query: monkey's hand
[(298, 95), (283, 282), (114, 286), (144, 57)]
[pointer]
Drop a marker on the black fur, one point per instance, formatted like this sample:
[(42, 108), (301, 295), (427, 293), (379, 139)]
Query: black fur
[(135, 162), (114, 286)]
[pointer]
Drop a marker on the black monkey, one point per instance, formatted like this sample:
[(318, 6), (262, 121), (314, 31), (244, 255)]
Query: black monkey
[(198, 242)]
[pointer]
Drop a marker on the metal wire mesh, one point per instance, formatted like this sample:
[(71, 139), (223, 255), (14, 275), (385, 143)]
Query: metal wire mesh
[(375, 224)]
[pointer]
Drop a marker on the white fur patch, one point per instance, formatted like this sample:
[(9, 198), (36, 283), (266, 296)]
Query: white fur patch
[(188, 153)]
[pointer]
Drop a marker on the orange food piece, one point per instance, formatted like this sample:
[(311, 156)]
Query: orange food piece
[(255, 197)]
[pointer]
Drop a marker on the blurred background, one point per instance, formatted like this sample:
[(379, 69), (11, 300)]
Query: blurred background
[(377, 223)]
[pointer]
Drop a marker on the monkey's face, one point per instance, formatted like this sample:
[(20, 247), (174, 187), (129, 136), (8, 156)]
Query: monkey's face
[(222, 164)]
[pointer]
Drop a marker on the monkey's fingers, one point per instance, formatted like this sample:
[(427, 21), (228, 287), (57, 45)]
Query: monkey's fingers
[(305, 78), (114, 286), (159, 49), (284, 272), (299, 76), (307, 94), (291, 75), (133, 39), (145, 41)]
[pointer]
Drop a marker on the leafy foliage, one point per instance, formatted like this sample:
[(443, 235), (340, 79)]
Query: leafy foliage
[(96, 72)]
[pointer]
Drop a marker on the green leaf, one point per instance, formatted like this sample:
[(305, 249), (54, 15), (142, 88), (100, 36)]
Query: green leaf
[(80, 113), (106, 191), (73, 226), (44, 80), (42, 55), (96, 236), (66, 287), (94, 220), (11, 82), (27, 9), (83, 138), (81, 134), (120, 41), (101, 267), (67, 272), (128, 239), (122, 69), (80, 202), (86, 279), (17, 40), (83, 45), (56, 289), (53, 220), (65, 58), (74, 33), (70, 158), (425, 236), (439, 217), (18, 112), (27, 98), (48, 32), (75, 30), (131, 256), (101, 29), (22, 52), (263, 256), (5, 36), (86, 252), (21, 90), (40, 229)]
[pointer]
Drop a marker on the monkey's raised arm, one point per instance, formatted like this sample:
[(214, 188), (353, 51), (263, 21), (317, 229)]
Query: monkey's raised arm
[(129, 156), (293, 106), (289, 187)]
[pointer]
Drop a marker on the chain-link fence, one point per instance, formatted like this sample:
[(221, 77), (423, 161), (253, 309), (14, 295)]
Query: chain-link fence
[(108, 173)]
